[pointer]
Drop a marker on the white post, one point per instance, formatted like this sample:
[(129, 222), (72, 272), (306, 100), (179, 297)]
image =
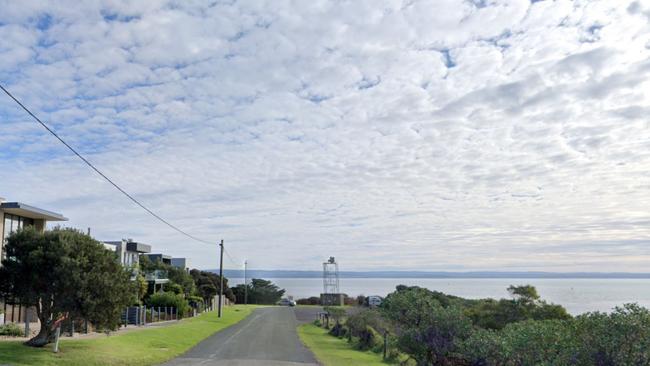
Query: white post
[(57, 333)]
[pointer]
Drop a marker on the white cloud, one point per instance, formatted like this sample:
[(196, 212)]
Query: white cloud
[(403, 134)]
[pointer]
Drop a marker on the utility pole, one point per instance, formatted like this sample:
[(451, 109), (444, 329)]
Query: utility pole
[(221, 279), (245, 284)]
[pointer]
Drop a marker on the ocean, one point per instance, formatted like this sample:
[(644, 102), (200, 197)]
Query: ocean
[(576, 295)]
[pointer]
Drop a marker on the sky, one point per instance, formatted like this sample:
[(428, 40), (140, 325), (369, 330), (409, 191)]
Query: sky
[(415, 135)]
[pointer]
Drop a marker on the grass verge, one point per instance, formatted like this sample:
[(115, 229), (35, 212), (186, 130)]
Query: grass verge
[(334, 351), (144, 347)]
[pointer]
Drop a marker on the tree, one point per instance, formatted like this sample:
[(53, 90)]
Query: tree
[(426, 331), (496, 314), (259, 292), (208, 284), (524, 293), (64, 271)]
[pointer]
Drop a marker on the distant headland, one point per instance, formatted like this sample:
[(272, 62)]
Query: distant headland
[(425, 274)]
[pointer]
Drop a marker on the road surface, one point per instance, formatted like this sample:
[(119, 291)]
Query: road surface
[(267, 337)]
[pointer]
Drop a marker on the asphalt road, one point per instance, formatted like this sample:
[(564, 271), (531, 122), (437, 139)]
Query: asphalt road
[(267, 337)]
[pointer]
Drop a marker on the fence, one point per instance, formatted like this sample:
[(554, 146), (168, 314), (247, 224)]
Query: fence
[(143, 315)]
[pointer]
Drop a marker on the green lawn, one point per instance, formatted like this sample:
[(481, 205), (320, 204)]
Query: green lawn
[(334, 351), (143, 347)]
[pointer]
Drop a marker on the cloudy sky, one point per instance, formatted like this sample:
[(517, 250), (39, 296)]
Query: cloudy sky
[(429, 135)]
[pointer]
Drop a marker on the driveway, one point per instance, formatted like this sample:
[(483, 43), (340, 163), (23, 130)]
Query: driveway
[(266, 337)]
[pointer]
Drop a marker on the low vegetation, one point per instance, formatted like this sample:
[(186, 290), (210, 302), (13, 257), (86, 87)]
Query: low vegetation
[(431, 328), (11, 330), (148, 346)]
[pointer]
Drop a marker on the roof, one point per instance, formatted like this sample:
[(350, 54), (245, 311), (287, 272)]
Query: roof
[(131, 246), (21, 209)]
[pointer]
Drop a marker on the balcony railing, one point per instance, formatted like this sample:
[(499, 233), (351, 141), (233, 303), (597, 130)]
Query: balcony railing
[(158, 274)]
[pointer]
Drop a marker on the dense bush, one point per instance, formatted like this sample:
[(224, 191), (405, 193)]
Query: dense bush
[(619, 338), (11, 329), (169, 299), (496, 314), (435, 329), (426, 331)]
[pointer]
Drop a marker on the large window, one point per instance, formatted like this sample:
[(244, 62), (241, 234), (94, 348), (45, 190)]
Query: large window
[(12, 224)]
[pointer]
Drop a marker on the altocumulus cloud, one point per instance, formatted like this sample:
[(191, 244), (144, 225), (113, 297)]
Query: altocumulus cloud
[(428, 135)]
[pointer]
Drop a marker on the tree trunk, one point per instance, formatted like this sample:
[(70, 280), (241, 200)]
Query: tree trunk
[(44, 336)]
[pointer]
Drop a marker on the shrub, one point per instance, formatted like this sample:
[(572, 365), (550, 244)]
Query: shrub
[(169, 299), (427, 331), (368, 339), (619, 338), (11, 329)]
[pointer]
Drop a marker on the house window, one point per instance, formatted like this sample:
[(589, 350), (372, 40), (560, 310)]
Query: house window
[(12, 223)]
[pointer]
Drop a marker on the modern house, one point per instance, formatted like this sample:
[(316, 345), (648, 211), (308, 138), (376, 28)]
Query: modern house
[(166, 259), (15, 216), (128, 251), (182, 263)]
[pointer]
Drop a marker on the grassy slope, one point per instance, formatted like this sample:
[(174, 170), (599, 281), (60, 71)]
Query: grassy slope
[(335, 351), (145, 347)]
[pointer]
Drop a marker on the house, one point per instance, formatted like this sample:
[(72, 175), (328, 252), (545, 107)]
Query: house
[(182, 263), (166, 259), (128, 251), (15, 216)]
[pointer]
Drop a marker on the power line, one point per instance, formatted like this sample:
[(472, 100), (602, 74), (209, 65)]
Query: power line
[(230, 258), (102, 174)]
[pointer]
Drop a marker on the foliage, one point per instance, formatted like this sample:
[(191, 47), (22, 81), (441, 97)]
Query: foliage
[(173, 287), (367, 325), (208, 284), (169, 299), (183, 279), (141, 286), (11, 329), (496, 314), (64, 271), (259, 292), (427, 331), (524, 293), (619, 338)]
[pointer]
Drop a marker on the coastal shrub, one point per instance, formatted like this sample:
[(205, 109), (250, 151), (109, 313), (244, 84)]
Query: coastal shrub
[(618, 338), (11, 329), (426, 331), (526, 305), (169, 299), (368, 338)]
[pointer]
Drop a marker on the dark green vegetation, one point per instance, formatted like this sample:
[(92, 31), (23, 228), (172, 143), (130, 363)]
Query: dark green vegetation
[(184, 290), (260, 291), (208, 285), (431, 328), (64, 272)]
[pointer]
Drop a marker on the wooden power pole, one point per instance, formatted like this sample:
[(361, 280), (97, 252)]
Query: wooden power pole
[(220, 279)]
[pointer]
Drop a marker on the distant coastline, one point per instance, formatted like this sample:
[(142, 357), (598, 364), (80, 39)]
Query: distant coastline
[(424, 274)]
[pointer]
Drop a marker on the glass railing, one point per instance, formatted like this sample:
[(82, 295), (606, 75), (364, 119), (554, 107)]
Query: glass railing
[(158, 274)]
